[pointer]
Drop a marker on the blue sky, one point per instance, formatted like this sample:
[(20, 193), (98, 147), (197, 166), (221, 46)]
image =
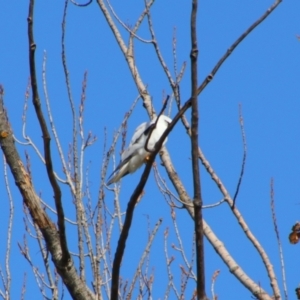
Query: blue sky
[(262, 75)]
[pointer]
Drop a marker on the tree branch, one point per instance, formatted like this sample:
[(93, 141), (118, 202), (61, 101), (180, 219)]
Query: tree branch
[(66, 269), (243, 224), (46, 137), (244, 156), (197, 201), (209, 78), (129, 215), (278, 241), (216, 243), (252, 286)]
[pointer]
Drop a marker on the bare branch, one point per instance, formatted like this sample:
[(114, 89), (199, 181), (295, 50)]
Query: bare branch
[(209, 78), (53, 128), (233, 266), (214, 204), (198, 224), (142, 16), (129, 215), (77, 179), (45, 255), (244, 155), (48, 229), (170, 275), (213, 281), (181, 248), (23, 287), (156, 47), (9, 231), (132, 32), (209, 234), (55, 212), (142, 260), (278, 240), (46, 137), (243, 224), (83, 4), (128, 54)]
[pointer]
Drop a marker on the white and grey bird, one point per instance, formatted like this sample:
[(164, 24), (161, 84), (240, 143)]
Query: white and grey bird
[(135, 155)]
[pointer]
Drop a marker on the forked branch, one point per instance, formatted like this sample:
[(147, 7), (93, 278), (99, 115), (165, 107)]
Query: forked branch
[(66, 269)]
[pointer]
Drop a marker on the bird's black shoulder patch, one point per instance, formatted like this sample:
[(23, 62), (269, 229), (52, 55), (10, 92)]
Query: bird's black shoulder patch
[(146, 132)]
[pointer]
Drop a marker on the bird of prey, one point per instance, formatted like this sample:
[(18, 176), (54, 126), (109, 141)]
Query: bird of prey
[(135, 155)]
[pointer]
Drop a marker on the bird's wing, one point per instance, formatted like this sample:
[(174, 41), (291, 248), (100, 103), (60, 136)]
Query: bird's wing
[(161, 125), (138, 133), (142, 132), (133, 146)]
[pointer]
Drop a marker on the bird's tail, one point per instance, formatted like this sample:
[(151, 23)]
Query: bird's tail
[(118, 173), (114, 179)]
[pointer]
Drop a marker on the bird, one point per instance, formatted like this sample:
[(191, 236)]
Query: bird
[(135, 155)]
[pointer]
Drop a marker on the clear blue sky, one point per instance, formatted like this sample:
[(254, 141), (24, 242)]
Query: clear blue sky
[(262, 75)]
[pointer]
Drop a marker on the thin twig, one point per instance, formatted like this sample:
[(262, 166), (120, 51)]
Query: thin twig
[(38, 277), (23, 287), (214, 204), (83, 4), (125, 26), (84, 143), (241, 120), (3, 282), (77, 179), (209, 78), (141, 18), (9, 230), (53, 128), (181, 248), (278, 240), (165, 191), (55, 212), (45, 256), (168, 263), (156, 47), (213, 281), (141, 262), (92, 254)]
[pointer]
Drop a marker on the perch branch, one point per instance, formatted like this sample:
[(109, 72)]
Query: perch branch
[(129, 214)]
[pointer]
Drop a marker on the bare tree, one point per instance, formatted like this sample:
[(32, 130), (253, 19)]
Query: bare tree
[(102, 228)]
